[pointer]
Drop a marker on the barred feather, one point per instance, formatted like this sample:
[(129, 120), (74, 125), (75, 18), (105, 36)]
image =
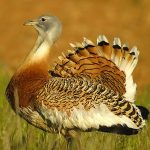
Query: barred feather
[(100, 67), (113, 64)]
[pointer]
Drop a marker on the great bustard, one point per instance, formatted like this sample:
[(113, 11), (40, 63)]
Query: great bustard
[(89, 88)]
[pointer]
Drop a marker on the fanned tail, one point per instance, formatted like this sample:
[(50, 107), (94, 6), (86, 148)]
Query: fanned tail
[(114, 64)]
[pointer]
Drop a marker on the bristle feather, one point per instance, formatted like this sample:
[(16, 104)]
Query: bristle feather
[(79, 45), (125, 47), (86, 42), (117, 43), (102, 40), (72, 45), (64, 56), (134, 51)]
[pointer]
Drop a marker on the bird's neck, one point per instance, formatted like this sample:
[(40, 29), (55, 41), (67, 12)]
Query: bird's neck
[(40, 51), (42, 47), (31, 75)]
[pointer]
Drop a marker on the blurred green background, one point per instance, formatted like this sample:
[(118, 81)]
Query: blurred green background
[(127, 19)]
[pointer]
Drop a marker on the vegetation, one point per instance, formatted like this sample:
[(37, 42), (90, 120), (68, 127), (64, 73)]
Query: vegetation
[(17, 134)]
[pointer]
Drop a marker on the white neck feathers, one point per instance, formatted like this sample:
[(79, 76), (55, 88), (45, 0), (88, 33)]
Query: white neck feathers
[(42, 51), (44, 42)]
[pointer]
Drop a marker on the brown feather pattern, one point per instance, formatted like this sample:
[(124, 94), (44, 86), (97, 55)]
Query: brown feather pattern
[(86, 77)]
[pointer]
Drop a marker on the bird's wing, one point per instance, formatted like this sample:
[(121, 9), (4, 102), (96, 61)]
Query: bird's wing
[(111, 64), (84, 103), (92, 86)]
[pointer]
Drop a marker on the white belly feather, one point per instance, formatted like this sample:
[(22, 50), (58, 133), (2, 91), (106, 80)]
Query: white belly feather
[(80, 118)]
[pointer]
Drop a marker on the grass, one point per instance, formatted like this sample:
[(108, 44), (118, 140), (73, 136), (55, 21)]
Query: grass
[(16, 134)]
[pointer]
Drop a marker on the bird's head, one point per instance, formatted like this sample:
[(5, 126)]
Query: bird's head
[(49, 27)]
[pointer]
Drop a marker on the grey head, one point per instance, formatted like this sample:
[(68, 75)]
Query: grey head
[(48, 27)]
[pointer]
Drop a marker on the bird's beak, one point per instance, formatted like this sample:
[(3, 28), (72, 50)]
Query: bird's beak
[(31, 22)]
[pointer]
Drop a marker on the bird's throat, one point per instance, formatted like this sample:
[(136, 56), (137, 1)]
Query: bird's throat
[(40, 51)]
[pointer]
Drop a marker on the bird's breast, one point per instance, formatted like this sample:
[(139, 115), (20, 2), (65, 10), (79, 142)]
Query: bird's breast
[(23, 86)]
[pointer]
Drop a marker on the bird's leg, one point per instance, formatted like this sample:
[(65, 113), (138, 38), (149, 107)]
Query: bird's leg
[(56, 142), (79, 145), (54, 147), (69, 138), (69, 142)]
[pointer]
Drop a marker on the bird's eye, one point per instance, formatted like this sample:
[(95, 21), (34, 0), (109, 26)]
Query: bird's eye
[(43, 19)]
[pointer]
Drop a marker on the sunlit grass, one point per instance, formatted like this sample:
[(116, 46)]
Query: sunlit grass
[(16, 134)]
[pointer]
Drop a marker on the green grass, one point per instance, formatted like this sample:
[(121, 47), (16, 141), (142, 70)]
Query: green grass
[(16, 134)]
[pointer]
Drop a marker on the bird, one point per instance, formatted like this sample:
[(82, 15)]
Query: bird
[(89, 88)]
